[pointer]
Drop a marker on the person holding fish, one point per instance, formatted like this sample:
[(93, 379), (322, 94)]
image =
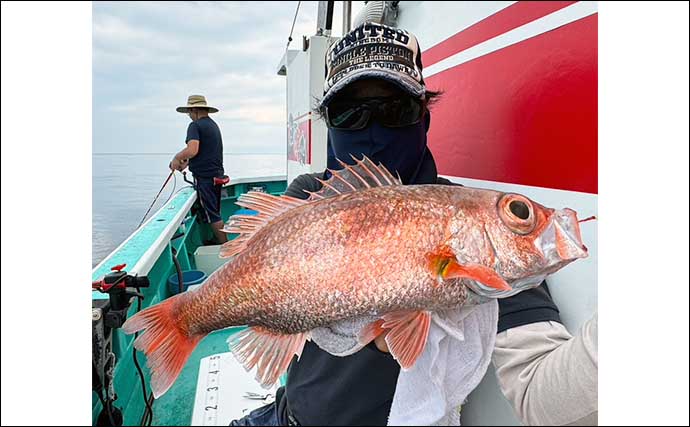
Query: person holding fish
[(380, 244), (383, 113)]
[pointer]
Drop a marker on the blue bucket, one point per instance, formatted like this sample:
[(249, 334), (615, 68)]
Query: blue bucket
[(190, 277), (242, 212)]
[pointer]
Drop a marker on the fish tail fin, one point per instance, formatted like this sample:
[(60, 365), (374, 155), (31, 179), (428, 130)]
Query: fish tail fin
[(165, 342)]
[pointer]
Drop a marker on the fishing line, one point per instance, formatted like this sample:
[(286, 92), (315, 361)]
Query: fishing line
[(172, 172), (172, 192)]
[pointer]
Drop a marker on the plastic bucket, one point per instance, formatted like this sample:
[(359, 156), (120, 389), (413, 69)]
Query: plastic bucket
[(189, 277)]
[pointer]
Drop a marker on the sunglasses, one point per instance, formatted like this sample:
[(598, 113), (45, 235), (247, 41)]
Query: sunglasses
[(389, 111)]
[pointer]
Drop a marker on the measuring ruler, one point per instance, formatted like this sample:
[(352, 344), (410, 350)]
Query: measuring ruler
[(212, 386), (226, 392)]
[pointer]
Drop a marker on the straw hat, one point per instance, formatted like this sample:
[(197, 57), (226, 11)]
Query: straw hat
[(196, 101)]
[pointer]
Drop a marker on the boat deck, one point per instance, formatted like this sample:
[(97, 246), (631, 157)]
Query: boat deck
[(148, 251), (175, 408)]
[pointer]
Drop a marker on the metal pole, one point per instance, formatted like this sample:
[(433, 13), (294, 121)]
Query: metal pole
[(324, 18), (347, 15)]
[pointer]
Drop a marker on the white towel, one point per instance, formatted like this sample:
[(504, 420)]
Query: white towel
[(455, 358), (457, 354)]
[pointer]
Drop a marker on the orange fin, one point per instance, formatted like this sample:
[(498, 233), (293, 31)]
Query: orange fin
[(371, 331), (269, 351), (363, 174), (477, 272), (268, 206), (166, 346), (408, 333), (445, 265)]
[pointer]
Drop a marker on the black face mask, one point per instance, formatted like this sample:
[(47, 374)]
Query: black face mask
[(401, 150)]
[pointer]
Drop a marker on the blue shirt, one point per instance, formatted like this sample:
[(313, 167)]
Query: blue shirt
[(208, 162)]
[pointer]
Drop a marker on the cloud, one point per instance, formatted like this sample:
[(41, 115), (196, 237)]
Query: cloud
[(149, 56)]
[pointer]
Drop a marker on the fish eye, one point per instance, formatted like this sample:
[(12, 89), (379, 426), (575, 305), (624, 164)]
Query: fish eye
[(517, 213), (519, 209)]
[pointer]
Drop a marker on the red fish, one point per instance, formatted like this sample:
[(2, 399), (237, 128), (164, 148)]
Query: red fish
[(364, 245)]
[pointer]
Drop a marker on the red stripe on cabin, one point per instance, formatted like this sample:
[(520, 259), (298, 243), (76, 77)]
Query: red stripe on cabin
[(525, 114), (500, 22)]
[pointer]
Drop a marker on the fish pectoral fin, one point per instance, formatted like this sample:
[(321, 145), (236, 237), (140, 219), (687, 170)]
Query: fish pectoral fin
[(444, 265), (271, 352), (407, 334), (371, 331), (484, 275), (439, 261)]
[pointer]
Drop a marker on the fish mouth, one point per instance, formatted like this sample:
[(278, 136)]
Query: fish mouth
[(561, 239), (568, 238)]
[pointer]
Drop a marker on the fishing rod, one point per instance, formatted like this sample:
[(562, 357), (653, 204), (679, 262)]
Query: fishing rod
[(172, 172)]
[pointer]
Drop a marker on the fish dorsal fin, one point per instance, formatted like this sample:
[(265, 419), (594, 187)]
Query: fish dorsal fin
[(268, 206), (362, 175)]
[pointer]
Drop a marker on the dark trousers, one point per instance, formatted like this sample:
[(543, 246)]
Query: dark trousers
[(273, 414)]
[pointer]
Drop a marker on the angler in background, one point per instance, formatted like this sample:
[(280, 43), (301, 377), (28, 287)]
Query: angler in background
[(204, 156)]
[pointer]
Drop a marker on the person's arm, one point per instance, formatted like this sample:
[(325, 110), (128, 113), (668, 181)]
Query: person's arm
[(549, 377), (191, 150), (179, 161)]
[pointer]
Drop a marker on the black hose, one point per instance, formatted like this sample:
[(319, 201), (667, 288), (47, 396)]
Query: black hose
[(148, 417), (149, 409), (180, 278), (109, 410)]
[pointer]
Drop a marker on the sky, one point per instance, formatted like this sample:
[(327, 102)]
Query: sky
[(149, 56)]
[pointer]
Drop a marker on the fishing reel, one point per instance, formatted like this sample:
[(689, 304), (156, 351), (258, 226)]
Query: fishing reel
[(217, 180), (118, 285), (184, 177), (108, 315)]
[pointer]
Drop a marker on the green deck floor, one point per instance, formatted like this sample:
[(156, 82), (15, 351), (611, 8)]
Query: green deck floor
[(175, 407)]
